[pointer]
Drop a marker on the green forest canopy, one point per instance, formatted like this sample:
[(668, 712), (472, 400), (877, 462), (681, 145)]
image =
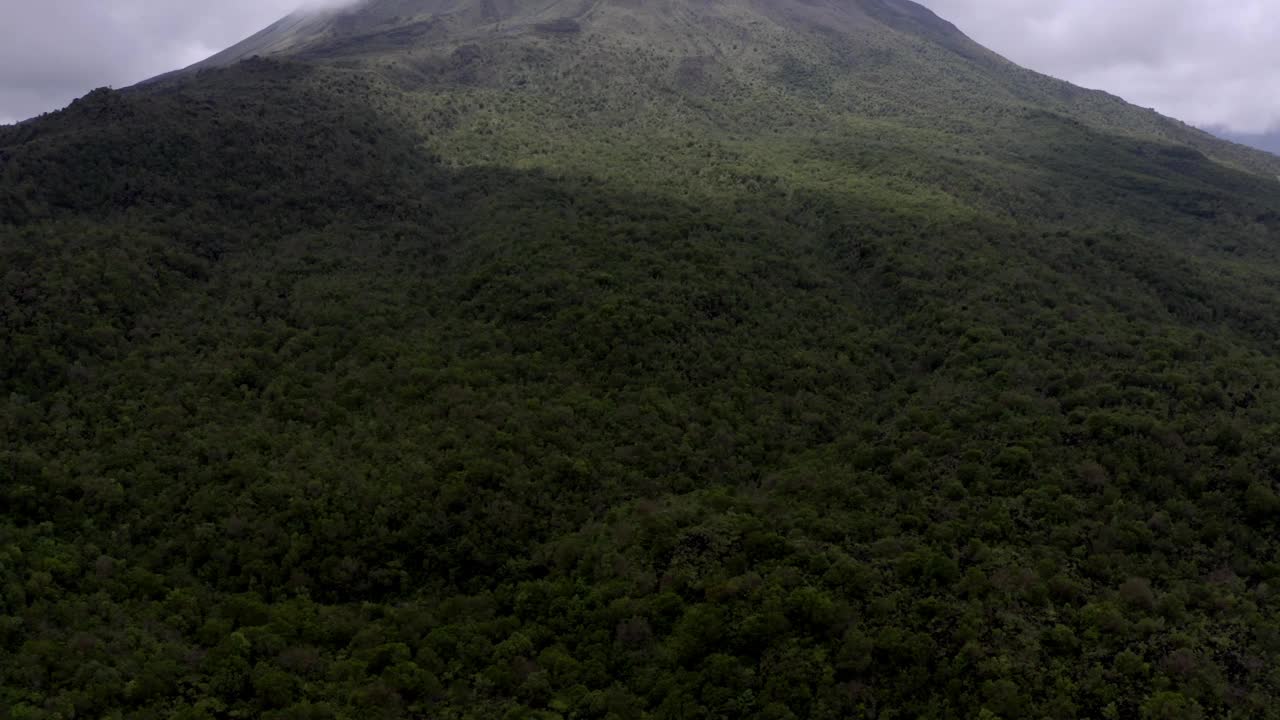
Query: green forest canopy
[(325, 396)]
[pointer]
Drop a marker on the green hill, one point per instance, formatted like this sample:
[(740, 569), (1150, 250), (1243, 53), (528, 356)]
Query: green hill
[(633, 360)]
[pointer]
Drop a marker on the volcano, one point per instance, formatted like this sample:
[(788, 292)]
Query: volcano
[(637, 360), (829, 59)]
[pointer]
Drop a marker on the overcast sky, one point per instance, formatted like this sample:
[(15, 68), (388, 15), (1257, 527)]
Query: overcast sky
[(1207, 62)]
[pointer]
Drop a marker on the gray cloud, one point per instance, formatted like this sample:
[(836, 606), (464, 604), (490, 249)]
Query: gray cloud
[(53, 51), (1207, 62), (1204, 61)]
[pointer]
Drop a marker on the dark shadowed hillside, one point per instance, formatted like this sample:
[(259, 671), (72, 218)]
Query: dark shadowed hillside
[(634, 360)]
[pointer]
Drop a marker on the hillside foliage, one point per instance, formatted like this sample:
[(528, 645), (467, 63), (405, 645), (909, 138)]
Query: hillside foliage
[(328, 394)]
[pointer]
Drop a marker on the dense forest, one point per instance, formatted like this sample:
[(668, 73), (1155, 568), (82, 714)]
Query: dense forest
[(328, 392)]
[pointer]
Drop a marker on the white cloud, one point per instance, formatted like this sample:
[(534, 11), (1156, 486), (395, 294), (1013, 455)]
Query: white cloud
[(53, 51), (1204, 61)]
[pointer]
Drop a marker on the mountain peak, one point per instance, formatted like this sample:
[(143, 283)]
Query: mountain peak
[(761, 63), (380, 26)]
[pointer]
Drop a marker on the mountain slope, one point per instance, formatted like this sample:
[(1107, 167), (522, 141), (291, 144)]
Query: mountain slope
[(634, 360), (865, 57)]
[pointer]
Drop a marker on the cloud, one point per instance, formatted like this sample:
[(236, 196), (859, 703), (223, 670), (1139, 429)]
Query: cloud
[(53, 51), (1207, 62)]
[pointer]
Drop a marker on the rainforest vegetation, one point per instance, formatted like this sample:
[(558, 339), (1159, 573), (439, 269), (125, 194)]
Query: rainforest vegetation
[(333, 393)]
